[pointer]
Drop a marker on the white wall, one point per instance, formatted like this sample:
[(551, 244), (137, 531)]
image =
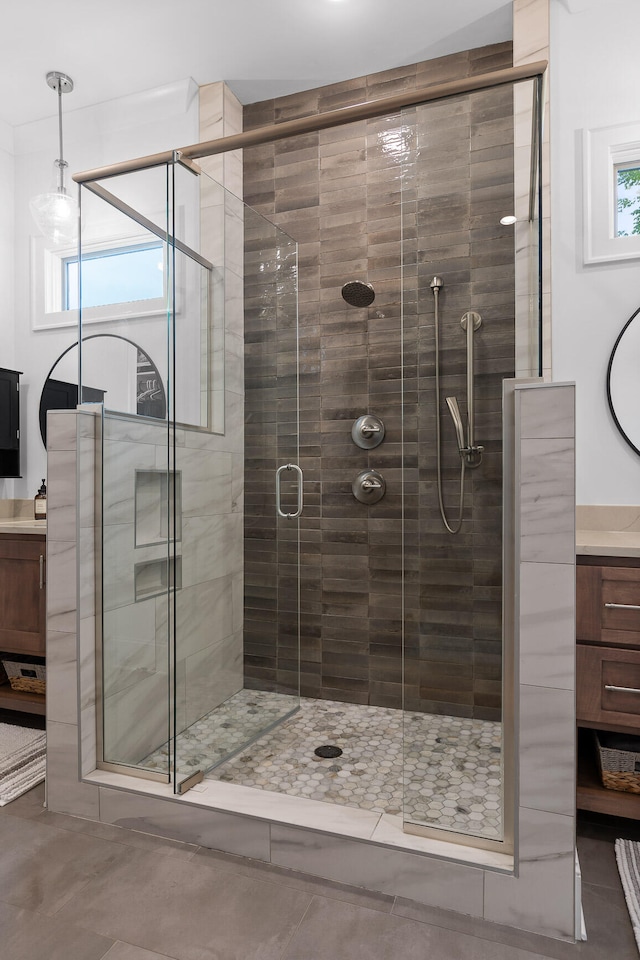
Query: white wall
[(594, 83), (159, 119), (7, 326)]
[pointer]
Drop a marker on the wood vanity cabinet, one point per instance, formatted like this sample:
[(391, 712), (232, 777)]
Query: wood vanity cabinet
[(22, 609), (607, 670)]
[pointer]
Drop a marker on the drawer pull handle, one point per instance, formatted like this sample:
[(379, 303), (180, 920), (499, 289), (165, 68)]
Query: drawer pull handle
[(41, 571), (622, 606), (610, 686)]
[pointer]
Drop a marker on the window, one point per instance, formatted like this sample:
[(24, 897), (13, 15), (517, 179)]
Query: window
[(627, 199), (114, 275), (123, 278), (612, 193)]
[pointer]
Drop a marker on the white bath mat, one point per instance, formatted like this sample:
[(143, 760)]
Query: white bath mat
[(628, 858), (22, 760)]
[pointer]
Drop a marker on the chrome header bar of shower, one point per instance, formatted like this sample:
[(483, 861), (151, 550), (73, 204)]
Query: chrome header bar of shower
[(321, 121)]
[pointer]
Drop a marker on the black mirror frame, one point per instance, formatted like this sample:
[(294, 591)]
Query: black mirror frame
[(609, 398), (93, 336)]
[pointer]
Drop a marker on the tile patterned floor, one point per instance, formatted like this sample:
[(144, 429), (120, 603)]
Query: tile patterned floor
[(451, 767), (127, 895)]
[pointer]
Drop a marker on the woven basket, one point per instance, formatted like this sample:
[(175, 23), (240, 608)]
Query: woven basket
[(619, 761), (28, 677)]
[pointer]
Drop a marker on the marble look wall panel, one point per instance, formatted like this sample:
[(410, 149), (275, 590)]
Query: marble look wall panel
[(61, 430), (62, 677), (547, 658), (426, 880), (61, 583), (209, 828), (540, 898), (212, 675), (65, 792), (547, 500), (87, 694), (550, 413), (547, 749), (63, 497)]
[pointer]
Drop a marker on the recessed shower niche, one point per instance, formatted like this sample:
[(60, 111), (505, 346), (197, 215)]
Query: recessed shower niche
[(154, 491), (154, 577)]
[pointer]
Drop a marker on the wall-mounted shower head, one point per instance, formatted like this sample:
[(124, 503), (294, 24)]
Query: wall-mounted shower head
[(358, 294)]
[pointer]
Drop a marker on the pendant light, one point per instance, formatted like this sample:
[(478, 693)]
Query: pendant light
[(56, 213)]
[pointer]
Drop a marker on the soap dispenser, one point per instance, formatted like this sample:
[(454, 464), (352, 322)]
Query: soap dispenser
[(40, 502)]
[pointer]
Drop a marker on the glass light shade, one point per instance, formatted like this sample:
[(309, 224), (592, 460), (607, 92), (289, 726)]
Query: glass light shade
[(56, 216)]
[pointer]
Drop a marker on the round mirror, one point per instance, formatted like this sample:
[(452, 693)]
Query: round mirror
[(623, 382), (116, 372)]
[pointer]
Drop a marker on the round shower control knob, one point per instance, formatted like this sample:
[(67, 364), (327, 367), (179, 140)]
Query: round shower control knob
[(369, 486), (367, 432)]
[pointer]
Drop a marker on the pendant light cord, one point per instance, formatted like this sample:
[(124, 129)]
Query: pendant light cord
[(60, 162)]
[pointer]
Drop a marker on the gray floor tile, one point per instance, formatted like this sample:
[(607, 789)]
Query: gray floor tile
[(610, 935), (609, 930), (333, 930), (187, 911), (258, 870), (29, 805), (598, 862), (484, 930), (41, 867), (132, 838), (25, 935), (125, 951)]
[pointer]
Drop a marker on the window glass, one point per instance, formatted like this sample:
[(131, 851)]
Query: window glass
[(117, 275), (627, 200)]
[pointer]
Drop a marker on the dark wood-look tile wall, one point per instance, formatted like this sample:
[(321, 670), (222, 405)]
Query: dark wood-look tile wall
[(392, 201)]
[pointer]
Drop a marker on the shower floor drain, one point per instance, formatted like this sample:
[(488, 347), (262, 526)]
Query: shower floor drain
[(328, 752)]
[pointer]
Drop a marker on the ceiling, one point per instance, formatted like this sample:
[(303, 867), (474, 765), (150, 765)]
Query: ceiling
[(262, 48)]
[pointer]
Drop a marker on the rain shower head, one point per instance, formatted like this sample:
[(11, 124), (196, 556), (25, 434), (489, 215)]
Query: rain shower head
[(358, 294)]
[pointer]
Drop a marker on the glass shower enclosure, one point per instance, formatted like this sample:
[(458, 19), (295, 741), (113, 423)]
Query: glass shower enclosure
[(211, 398), (171, 375)]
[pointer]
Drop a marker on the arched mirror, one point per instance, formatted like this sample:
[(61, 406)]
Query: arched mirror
[(623, 382), (116, 371)]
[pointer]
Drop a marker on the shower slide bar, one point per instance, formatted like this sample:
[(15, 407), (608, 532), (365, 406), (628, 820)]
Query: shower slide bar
[(470, 452), (322, 121)]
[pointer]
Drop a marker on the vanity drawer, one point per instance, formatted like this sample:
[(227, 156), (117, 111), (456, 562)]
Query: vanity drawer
[(608, 686), (608, 605)]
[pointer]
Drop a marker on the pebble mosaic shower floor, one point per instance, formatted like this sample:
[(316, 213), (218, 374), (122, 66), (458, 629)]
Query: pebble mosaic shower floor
[(452, 766)]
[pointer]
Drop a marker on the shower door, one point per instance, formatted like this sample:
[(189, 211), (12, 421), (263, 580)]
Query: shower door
[(242, 483), (179, 497)]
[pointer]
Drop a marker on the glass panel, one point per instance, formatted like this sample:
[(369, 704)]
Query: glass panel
[(467, 308), (172, 465), (127, 371), (216, 714)]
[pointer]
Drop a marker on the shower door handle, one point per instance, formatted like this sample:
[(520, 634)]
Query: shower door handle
[(279, 472)]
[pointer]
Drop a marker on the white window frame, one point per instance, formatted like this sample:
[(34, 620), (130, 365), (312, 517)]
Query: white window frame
[(47, 266), (604, 149)]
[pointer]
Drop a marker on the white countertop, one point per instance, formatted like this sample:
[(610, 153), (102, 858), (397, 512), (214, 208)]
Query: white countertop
[(607, 543), (609, 530), (21, 525)]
